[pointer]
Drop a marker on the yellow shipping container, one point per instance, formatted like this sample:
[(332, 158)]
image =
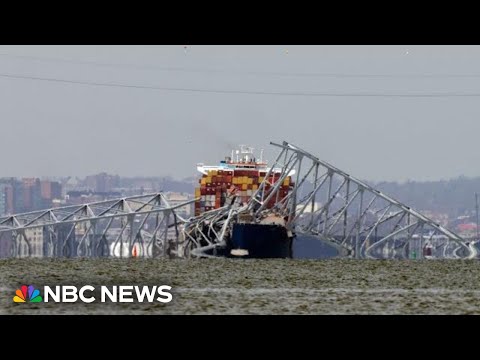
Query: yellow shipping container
[(254, 187), (260, 179), (208, 179), (203, 181), (250, 181), (197, 192), (286, 182), (234, 181), (244, 186)]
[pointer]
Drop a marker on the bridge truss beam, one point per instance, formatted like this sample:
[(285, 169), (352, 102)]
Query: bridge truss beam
[(332, 204), (325, 202), (143, 225)]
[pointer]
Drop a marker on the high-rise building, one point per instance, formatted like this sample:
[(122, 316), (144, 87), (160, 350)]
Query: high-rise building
[(32, 199), (50, 190), (12, 195), (3, 199)]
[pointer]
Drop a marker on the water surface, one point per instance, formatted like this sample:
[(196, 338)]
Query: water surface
[(225, 286)]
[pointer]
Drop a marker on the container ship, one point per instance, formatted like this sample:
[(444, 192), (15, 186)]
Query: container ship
[(232, 183)]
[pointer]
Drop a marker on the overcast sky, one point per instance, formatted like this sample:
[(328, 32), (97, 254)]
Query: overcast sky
[(55, 128)]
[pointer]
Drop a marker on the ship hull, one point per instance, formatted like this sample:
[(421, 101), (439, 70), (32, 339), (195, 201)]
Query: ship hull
[(259, 241)]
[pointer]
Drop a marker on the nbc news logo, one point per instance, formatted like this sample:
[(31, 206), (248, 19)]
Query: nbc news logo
[(114, 294)]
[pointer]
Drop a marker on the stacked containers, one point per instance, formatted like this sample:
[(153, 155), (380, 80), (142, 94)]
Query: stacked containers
[(213, 187)]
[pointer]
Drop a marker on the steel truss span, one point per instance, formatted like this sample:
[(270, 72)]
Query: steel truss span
[(326, 202), (143, 226)]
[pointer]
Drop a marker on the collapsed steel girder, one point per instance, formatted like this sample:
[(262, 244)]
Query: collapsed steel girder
[(329, 203), (335, 206), (325, 202), (143, 225)]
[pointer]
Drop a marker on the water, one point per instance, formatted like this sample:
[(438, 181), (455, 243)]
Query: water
[(232, 286)]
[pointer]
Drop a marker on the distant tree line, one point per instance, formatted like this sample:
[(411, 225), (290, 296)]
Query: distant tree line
[(454, 197)]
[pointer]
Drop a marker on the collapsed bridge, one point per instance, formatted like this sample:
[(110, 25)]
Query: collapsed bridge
[(326, 202)]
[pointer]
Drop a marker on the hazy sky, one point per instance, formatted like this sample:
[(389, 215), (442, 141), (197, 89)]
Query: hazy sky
[(55, 128)]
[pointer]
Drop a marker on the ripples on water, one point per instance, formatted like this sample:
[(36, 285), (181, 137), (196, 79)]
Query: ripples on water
[(224, 286)]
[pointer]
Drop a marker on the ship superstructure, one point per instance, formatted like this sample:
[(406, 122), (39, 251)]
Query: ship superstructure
[(237, 176), (233, 183)]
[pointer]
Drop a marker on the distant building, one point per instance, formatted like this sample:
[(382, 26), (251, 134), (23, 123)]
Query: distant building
[(29, 194), (84, 197), (50, 190), (35, 236), (12, 194), (70, 184), (175, 198), (3, 199), (37, 246), (32, 199), (102, 182)]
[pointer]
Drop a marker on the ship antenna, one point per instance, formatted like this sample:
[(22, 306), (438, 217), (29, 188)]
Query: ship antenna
[(261, 155)]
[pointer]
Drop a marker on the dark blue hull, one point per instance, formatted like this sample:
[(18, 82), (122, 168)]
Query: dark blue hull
[(259, 241)]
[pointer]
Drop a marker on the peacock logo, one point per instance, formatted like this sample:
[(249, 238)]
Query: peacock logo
[(21, 295)]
